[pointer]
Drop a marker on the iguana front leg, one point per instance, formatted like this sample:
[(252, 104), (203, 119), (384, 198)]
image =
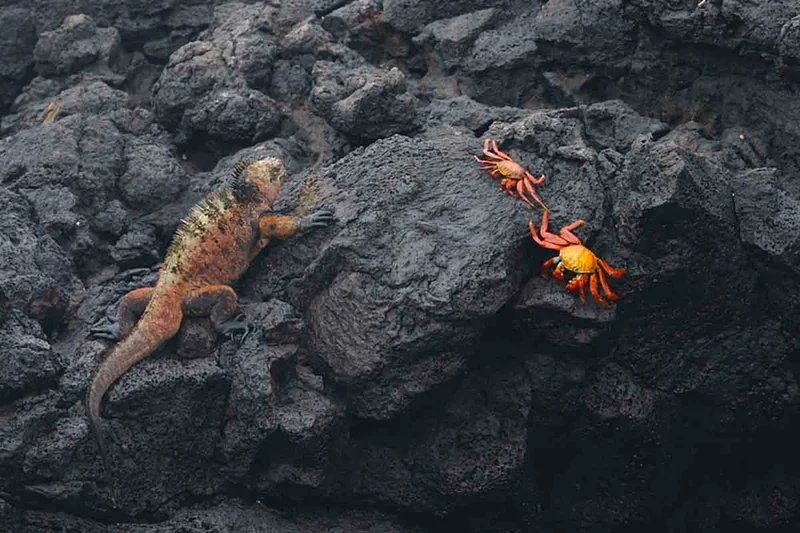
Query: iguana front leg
[(220, 302), (279, 227)]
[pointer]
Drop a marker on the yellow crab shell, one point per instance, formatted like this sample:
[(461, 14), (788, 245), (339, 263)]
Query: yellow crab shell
[(578, 258)]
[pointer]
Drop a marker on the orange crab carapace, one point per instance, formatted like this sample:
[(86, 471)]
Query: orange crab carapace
[(575, 257), (515, 180)]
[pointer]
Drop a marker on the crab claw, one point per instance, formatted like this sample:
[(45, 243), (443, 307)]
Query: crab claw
[(558, 272), (547, 264)]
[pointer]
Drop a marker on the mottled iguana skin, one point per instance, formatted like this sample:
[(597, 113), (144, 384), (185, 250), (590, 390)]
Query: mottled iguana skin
[(213, 246)]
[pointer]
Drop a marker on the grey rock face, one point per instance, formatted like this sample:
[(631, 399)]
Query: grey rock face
[(364, 106), (37, 277), (76, 44), (16, 46), (236, 516), (408, 368), (28, 362), (195, 96), (426, 260), (789, 40), (411, 15)]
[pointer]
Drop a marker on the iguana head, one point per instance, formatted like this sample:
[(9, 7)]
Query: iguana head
[(261, 179)]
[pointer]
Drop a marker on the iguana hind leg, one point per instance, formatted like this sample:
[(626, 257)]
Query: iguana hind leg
[(130, 309), (217, 302)]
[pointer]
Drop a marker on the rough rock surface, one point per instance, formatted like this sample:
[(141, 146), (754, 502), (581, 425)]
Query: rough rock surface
[(16, 46), (77, 43), (411, 371)]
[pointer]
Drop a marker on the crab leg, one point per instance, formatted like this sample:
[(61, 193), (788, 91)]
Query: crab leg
[(497, 153), (547, 264), (578, 285), (509, 186), (517, 194), (527, 185), (488, 165), (596, 293), (606, 287), (551, 237), (613, 272), (582, 287), (545, 221), (558, 272), (532, 179), (544, 243), (566, 232), (497, 156), (488, 153), (484, 162), (572, 285)]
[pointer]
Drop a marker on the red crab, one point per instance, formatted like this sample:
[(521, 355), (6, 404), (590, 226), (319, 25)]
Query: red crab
[(577, 258), (516, 181)]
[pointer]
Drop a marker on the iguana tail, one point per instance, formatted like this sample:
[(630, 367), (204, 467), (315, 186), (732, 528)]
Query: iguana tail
[(97, 433), (143, 340), (138, 344)]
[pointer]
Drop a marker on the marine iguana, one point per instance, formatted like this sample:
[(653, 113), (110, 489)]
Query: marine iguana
[(212, 248)]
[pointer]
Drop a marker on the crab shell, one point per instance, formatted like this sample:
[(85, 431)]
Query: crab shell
[(510, 170), (578, 258)]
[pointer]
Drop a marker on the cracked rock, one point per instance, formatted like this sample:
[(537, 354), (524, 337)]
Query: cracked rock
[(198, 94), (75, 45), (365, 105)]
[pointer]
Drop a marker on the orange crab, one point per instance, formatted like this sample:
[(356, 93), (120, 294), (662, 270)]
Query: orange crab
[(516, 181), (577, 258)]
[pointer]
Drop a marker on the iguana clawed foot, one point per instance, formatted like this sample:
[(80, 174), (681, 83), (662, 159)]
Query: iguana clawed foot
[(237, 329), (107, 332), (317, 219)]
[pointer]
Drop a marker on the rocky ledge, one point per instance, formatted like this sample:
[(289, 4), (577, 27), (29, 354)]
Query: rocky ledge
[(411, 371)]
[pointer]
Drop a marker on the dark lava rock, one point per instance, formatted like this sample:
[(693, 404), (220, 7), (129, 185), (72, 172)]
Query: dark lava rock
[(36, 276), (136, 248), (153, 176), (17, 41), (214, 89), (95, 147), (348, 20), (227, 518), (789, 40), (47, 100), (75, 45), (365, 105), (451, 39), (380, 245), (411, 15), (247, 46), (477, 452), (28, 362), (599, 29), (196, 94), (158, 27), (409, 358)]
